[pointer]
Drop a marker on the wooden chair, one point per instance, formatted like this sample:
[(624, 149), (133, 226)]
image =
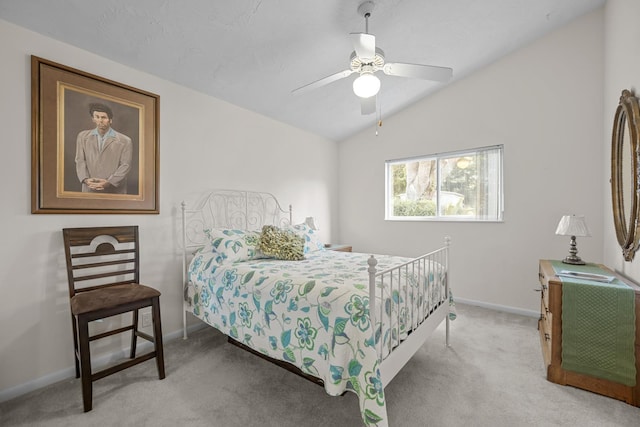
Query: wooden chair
[(103, 269)]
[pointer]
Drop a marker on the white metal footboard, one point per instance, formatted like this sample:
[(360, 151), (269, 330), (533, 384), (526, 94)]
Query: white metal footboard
[(408, 313)]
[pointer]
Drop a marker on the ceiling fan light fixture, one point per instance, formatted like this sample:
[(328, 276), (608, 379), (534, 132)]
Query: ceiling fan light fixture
[(366, 85)]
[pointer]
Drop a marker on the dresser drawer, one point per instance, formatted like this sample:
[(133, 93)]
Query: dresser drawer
[(544, 287), (545, 341), (545, 322)]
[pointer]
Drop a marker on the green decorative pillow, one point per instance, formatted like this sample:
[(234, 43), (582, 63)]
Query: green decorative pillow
[(281, 244)]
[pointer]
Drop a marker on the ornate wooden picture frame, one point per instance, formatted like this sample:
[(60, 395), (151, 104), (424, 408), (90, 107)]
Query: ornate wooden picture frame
[(94, 144)]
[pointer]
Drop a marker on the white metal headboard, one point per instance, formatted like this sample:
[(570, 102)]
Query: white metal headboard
[(246, 210)]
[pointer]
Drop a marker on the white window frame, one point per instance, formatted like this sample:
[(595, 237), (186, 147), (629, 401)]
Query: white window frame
[(497, 198)]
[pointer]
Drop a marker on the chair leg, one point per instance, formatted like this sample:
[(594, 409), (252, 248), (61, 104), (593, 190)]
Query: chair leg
[(157, 336), (85, 363), (134, 334), (75, 345)]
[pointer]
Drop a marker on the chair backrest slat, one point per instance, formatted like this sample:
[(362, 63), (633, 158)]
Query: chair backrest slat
[(108, 285), (102, 264), (93, 254), (101, 257), (103, 275), (84, 236)]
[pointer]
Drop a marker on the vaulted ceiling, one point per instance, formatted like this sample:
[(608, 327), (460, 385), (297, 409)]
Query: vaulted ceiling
[(253, 53)]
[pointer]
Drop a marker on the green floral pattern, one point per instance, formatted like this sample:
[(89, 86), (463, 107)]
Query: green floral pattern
[(232, 245), (315, 314)]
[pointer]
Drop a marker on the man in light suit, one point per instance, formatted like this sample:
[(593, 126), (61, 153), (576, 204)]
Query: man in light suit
[(103, 156)]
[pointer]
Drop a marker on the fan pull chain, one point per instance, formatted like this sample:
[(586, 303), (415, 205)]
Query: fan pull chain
[(379, 122)]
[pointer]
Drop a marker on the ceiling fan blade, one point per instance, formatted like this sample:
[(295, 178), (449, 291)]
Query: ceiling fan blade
[(364, 44), (323, 81), (416, 71), (368, 105)]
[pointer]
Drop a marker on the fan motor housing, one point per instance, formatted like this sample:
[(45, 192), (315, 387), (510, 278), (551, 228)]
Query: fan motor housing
[(367, 64)]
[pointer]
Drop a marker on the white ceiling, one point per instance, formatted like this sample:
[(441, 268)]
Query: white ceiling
[(253, 53)]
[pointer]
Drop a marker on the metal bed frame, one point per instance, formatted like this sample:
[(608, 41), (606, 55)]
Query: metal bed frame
[(251, 210)]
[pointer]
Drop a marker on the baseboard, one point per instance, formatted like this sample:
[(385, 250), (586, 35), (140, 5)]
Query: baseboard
[(498, 307), (99, 362)]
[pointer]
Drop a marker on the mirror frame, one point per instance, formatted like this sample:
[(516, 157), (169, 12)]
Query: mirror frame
[(626, 119)]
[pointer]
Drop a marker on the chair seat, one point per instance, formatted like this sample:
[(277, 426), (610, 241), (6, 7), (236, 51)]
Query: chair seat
[(110, 297)]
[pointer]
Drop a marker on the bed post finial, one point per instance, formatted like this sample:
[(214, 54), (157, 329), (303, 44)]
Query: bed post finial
[(447, 240), (372, 261)]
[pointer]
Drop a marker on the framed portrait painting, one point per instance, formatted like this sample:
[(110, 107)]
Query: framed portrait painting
[(94, 145)]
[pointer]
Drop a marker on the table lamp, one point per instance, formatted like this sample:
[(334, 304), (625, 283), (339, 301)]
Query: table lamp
[(573, 225)]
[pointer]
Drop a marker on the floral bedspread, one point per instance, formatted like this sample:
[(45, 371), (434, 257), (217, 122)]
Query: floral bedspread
[(312, 313)]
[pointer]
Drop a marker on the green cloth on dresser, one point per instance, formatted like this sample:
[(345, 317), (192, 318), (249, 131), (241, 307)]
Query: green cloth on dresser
[(598, 326)]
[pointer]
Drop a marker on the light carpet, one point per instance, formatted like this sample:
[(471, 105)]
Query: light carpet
[(492, 375)]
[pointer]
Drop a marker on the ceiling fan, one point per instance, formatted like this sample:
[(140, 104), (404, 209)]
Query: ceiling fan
[(367, 59)]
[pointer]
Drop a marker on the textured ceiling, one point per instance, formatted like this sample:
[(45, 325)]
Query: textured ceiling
[(253, 53)]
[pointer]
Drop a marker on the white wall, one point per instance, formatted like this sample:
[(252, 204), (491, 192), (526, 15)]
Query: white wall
[(204, 143), (544, 103), (551, 104), (622, 71)]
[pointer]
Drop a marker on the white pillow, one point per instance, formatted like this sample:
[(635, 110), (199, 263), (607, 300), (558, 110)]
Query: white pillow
[(312, 241), (233, 245)]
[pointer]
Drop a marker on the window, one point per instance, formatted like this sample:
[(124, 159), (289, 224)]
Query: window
[(461, 185)]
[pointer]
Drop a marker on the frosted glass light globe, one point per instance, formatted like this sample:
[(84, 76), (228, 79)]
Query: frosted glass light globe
[(366, 86)]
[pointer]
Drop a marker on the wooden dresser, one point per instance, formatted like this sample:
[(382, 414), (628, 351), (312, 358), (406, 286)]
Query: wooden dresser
[(550, 327)]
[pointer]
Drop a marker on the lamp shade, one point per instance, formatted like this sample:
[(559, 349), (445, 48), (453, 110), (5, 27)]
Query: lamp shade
[(366, 86), (573, 225)]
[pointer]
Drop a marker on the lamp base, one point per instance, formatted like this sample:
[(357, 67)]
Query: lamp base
[(575, 260), (573, 257)]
